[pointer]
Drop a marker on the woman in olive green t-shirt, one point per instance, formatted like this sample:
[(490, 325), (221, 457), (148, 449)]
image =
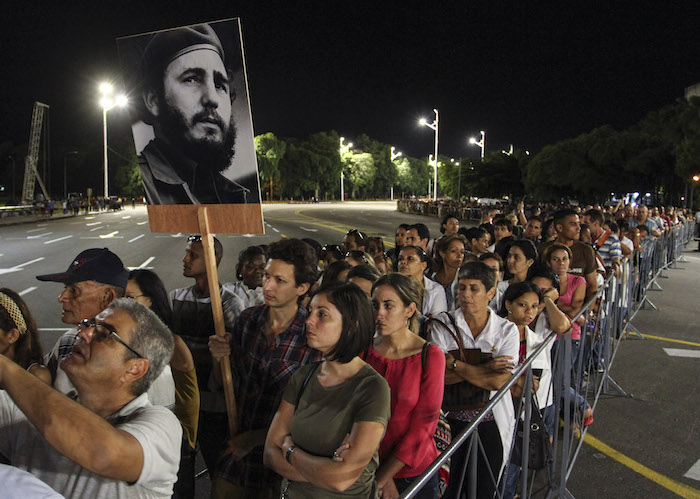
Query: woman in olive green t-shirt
[(324, 438)]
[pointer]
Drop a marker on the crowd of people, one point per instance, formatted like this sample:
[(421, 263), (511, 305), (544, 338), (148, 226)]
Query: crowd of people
[(350, 362)]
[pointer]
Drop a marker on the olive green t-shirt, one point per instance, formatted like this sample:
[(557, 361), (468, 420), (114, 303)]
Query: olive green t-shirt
[(325, 415)]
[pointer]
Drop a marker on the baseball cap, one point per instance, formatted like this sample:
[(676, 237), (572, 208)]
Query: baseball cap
[(95, 264)]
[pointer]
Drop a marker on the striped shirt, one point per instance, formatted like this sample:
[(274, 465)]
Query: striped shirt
[(610, 249)]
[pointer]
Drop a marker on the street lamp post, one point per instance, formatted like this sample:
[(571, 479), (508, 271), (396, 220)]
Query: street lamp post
[(107, 103), (433, 126), (459, 178), (481, 143), (344, 149), (65, 177), (393, 155)]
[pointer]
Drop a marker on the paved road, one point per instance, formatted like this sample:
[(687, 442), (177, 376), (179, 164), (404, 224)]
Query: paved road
[(652, 438), (27, 250), (656, 431)]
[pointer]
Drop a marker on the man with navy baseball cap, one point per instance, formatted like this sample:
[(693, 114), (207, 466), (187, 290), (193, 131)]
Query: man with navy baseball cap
[(94, 279)]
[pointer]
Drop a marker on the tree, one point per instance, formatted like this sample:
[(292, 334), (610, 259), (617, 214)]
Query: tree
[(385, 171), (128, 180), (269, 150), (412, 176), (297, 172), (360, 173)]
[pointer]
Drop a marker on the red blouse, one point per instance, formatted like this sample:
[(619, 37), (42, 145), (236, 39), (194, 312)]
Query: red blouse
[(416, 397)]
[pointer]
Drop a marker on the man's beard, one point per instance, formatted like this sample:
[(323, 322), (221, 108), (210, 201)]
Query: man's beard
[(212, 154)]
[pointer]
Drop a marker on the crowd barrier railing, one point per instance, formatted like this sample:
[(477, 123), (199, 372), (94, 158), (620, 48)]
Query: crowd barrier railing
[(581, 374)]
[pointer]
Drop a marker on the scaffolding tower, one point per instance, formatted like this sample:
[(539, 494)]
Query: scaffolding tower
[(31, 175)]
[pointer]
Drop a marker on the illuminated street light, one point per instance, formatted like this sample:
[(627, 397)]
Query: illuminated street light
[(434, 126), (481, 143), (344, 149), (696, 178), (107, 103), (394, 155)]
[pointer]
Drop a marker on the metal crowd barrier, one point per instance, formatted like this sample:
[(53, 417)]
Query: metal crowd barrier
[(608, 316)]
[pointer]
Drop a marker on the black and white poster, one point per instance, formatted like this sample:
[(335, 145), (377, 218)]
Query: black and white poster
[(190, 114)]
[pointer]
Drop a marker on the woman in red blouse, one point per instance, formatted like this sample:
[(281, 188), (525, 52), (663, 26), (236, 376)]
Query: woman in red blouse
[(416, 384)]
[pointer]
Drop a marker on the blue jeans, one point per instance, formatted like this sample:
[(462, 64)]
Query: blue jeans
[(429, 490)]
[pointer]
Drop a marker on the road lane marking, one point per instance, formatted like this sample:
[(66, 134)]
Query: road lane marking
[(56, 240), (147, 262), (29, 262), (39, 235), (143, 265), (93, 223), (678, 352), (124, 218), (34, 230), (672, 340), (107, 236), (97, 228), (142, 223), (694, 471), (28, 290), (19, 267), (137, 237), (64, 329), (308, 230), (339, 227), (666, 482)]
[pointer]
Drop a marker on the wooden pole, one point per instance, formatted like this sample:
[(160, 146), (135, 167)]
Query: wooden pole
[(218, 313)]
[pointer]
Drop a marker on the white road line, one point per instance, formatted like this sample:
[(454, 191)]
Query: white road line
[(137, 237), (40, 235), (28, 290), (97, 228), (33, 230), (142, 223), (694, 471), (275, 229), (100, 237), (107, 236), (56, 240), (147, 262), (93, 223), (678, 352), (124, 218), (89, 218), (308, 230), (29, 262)]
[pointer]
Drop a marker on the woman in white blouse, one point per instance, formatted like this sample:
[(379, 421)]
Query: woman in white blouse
[(413, 262)]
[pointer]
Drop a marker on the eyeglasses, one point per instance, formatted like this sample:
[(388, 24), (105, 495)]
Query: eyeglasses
[(103, 331), (195, 238)]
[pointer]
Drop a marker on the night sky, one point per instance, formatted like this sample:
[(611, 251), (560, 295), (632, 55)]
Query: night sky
[(529, 73)]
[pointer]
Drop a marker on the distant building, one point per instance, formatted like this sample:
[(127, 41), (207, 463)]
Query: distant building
[(692, 91)]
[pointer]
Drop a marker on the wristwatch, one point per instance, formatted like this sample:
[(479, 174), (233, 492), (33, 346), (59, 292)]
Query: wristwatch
[(452, 365), (289, 453)]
